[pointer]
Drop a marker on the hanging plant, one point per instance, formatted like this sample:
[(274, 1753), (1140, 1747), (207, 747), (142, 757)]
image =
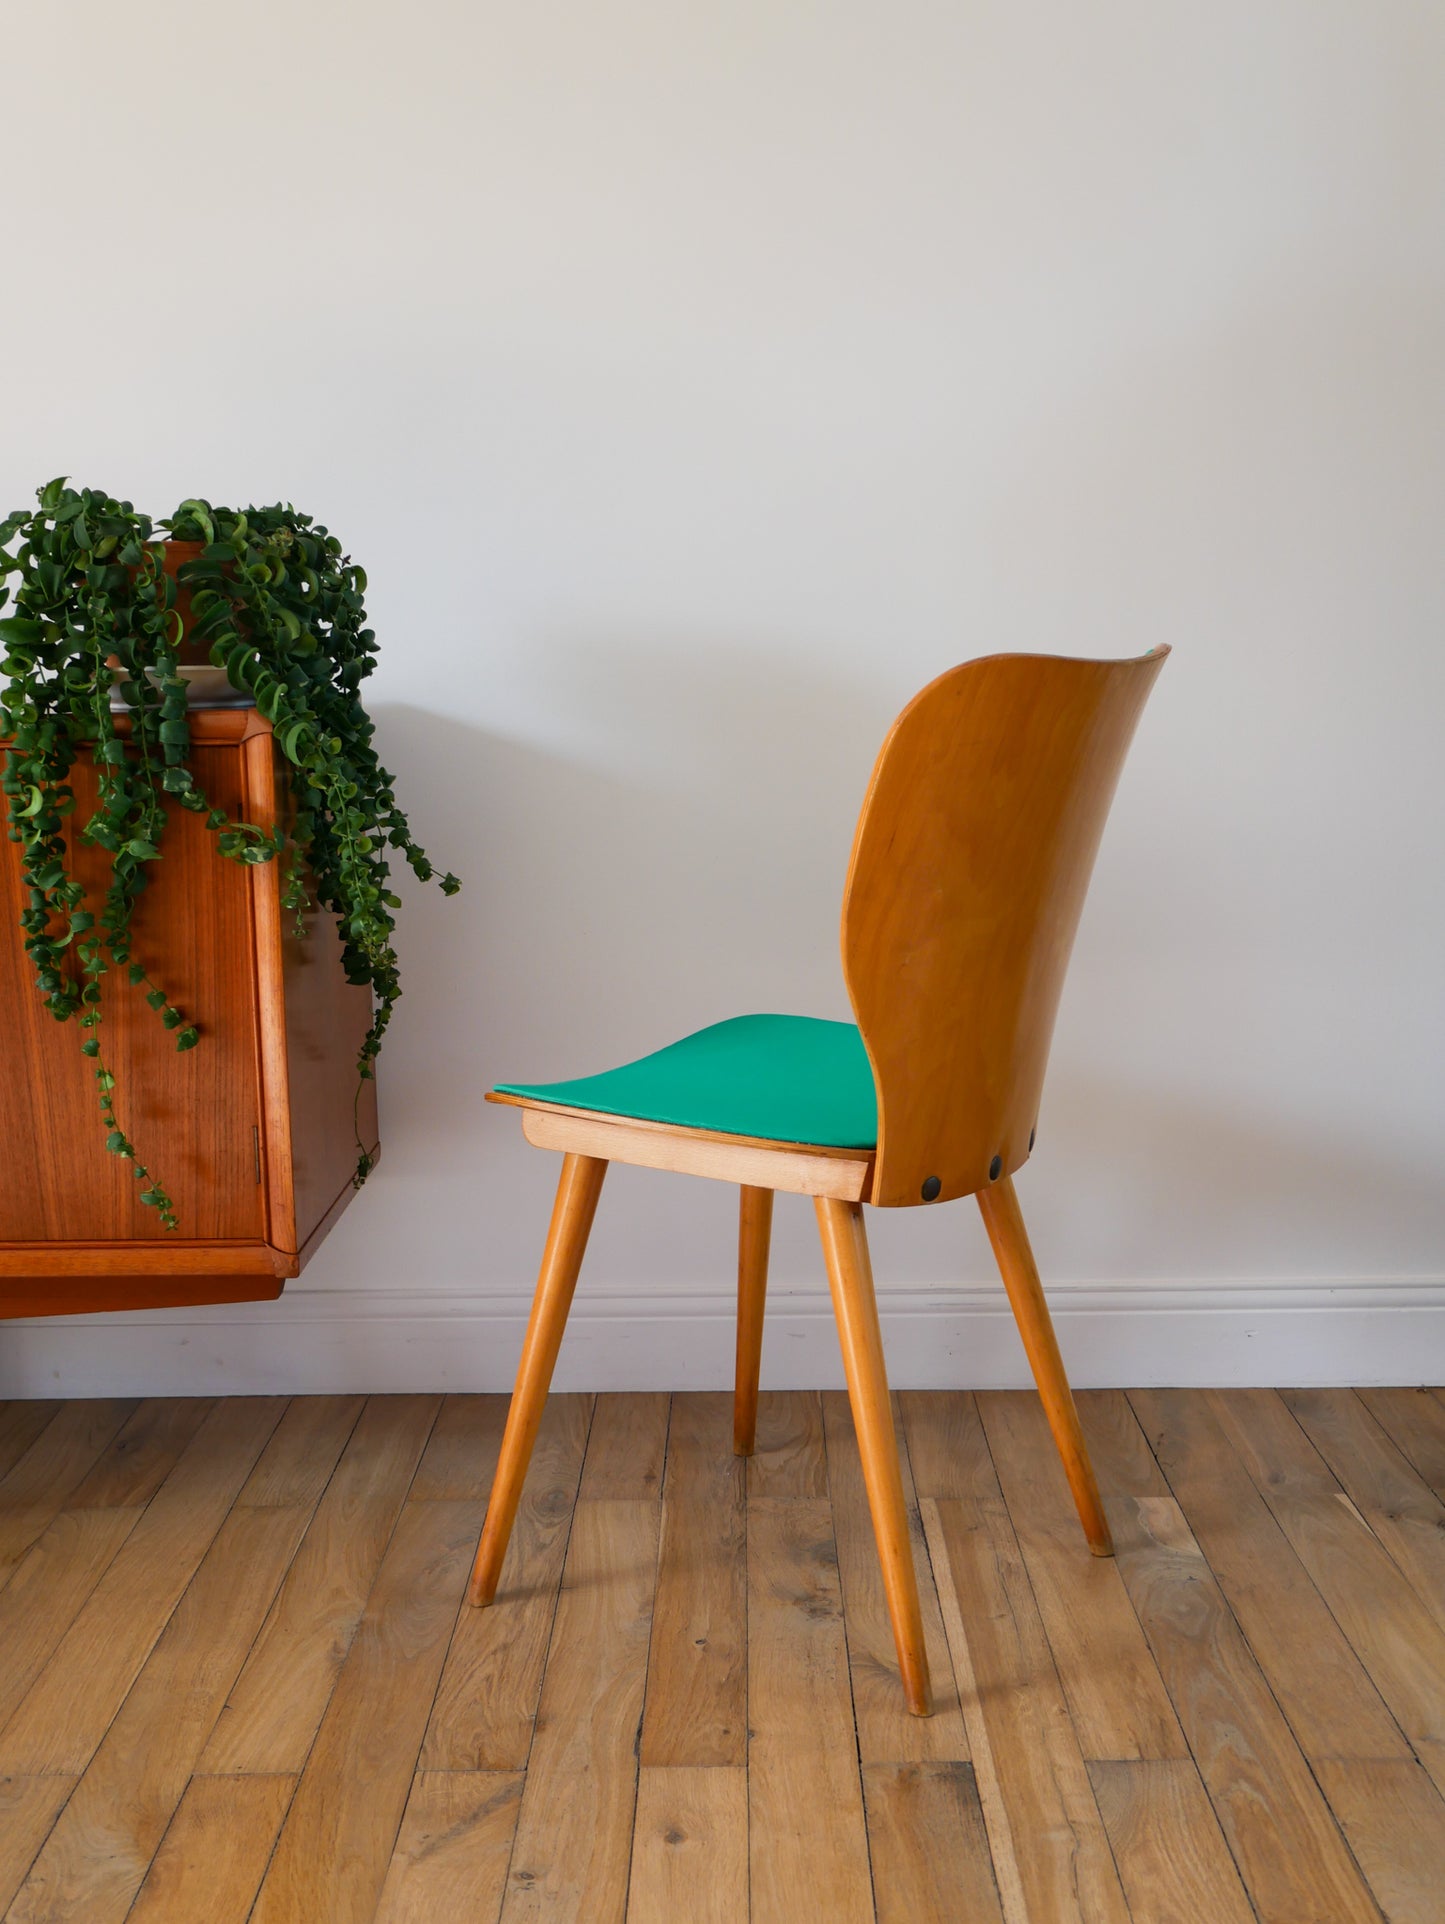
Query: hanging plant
[(99, 603)]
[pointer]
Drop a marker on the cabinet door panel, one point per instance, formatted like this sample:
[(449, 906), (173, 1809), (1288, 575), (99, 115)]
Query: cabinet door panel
[(192, 1116)]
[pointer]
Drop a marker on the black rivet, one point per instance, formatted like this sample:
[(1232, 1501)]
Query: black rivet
[(1032, 1133), (931, 1187), (995, 1168)]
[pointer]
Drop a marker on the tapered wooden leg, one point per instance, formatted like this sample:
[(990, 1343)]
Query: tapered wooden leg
[(572, 1213), (1005, 1225), (755, 1230), (850, 1277)]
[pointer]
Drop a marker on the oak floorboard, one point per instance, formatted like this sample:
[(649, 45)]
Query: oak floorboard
[(332, 1857), (697, 1669), (1123, 1461), (1173, 1861), (141, 1455), (48, 1590), (690, 1847), (21, 1423), (808, 1841), (215, 1852), (684, 1677), (789, 1456), (461, 1453), (1391, 1495), (1324, 1690), (1414, 1420), (625, 1448), (96, 1857), (887, 1733), (928, 1845), (271, 1718), (574, 1830), (948, 1454), (1291, 1856), (63, 1717), (1116, 1697), (28, 1808), (1393, 1819), (455, 1844), (1397, 1639), (1048, 1841), (487, 1700), (38, 1484)]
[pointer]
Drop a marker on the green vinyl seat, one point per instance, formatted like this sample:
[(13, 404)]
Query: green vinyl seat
[(783, 1078)]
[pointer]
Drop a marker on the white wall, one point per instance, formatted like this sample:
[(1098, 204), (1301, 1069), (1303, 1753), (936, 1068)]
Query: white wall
[(696, 382)]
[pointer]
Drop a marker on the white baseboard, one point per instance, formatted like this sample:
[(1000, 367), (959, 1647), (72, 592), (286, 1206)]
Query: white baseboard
[(1349, 1330)]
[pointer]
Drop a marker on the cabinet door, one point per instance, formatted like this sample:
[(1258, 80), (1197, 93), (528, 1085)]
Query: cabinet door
[(193, 1117)]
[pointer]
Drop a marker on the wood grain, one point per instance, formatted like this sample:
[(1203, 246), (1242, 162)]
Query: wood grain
[(1044, 1829), (214, 1853), (252, 1130), (690, 1847), (1394, 1821), (574, 1832), (40, 1482), (334, 1850), (969, 869), (133, 1466), (20, 1424), (67, 1712), (487, 1700), (1322, 1687), (697, 1667), (1172, 1857), (809, 1850), (461, 1453), (886, 1731), (800, 1170), (928, 1845), (1414, 1420), (272, 1715), (579, 1187), (95, 1859), (790, 1456), (1116, 1697), (1390, 1494), (947, 1451), (28, 1808), (455, 1844), (1395, 1636), (1294, 1863), (626, 1448), (125, 1627)]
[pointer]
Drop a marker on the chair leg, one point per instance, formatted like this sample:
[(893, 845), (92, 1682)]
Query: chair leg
[(850, 1277), (755, 1229), (1005, 1225), (572, 1213)]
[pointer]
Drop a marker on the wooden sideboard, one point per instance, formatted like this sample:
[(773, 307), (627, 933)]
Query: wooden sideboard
[(251, 1131)]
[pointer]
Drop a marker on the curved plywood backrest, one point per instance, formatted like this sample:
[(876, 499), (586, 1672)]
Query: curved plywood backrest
[(970, 864)]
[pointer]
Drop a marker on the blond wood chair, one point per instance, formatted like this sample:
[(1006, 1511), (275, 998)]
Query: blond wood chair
[(970, 863)]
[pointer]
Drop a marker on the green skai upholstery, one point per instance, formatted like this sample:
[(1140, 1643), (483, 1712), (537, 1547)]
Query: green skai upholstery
[(786, 1078)]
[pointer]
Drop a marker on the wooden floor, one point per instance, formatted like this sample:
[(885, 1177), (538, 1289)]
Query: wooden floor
[(237, 1679)]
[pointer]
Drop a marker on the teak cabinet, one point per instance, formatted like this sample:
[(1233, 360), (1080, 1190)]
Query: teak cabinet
[(251, 1131)]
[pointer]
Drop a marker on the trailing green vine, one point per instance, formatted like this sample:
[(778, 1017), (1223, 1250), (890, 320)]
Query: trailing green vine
[(274, 602)]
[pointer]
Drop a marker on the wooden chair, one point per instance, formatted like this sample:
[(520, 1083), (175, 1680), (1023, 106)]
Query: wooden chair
[(970, 863)]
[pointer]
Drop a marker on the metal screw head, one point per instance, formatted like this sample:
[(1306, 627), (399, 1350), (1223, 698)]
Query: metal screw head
[(995, 1169), (931, 1187)]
